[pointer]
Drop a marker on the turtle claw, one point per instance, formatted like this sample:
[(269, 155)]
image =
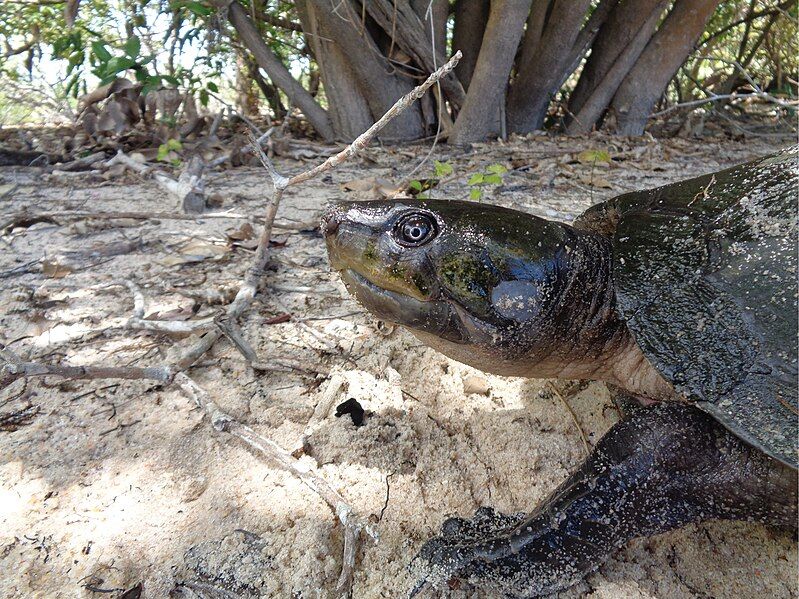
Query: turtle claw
[(460, 544)]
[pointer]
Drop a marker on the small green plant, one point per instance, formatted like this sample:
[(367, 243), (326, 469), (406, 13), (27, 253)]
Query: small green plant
[(419, 187), (168, 152), (108, 66), (479, 181)]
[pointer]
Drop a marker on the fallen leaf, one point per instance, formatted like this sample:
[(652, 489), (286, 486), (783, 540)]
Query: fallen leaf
[(595, 157), (378, 188), (280, 318), (474, 384), (55, 270), (195, 250), (595, 181), (245, 231)]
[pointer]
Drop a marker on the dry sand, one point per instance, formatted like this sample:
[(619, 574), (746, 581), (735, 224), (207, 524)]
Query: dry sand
[(113, 483)]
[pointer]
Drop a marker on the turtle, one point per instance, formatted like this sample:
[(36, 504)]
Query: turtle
[(682, 298)]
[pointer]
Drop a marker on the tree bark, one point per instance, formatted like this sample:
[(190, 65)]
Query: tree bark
[(623, 24), (378, 80), (347, 105), (277, 72), (664, 54), (471, 17), (439, 10), (602, 93), (480, 116), (538, 79), (270, 92), (246, 96), (536, 22), (399, 20), (586, 38)]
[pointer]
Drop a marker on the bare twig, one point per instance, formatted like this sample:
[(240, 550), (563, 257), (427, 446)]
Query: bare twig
[(9, 372), (366, 137), (188, 188), (721, 97), (25, 216), (576, 422), (173, 372)]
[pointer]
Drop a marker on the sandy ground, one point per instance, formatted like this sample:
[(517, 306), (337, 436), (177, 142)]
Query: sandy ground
[(108, 484)]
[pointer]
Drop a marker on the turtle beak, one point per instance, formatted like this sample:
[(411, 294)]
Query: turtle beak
[(331, 220)]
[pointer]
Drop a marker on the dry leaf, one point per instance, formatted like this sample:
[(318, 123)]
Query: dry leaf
[(55, 270), (245, 231), (195, 250), (378, 188), (475, 384), (595, 181), (594, 157)]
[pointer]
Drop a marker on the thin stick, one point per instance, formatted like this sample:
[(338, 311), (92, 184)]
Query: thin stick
[(718, 98), (172, 372), (25, 216), (279, 457), (364, 138), (9, 372), (562, 399)]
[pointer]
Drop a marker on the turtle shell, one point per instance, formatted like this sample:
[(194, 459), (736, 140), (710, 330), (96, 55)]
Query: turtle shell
[(706, 279)]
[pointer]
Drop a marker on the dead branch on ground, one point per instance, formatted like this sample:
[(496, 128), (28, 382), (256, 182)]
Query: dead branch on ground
[(173, 372)]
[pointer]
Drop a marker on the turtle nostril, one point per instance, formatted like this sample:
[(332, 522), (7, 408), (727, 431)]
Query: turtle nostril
[(330, 224)]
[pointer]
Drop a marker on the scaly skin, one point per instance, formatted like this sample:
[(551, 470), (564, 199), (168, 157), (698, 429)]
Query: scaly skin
[(516, 295), (667, 466)]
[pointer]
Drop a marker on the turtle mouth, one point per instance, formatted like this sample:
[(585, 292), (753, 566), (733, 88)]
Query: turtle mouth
[(431, 316), (384, 303)]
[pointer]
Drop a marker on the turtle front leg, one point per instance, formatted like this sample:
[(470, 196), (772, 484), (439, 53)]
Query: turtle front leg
[(664, 467)]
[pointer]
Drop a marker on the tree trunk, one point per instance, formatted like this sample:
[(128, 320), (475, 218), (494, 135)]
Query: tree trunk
[(398, 19), (277, 72), (586, 38), (481, 116), (624, 23), (602, 93), (471, 17), (664, 54), (347, 106), (439, 10), (378, 80), (729, 84), (270, 92), (536, 22), (246, 96), (538, 79)]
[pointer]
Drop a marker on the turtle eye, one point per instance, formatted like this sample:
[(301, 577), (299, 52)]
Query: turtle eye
[(415, 229)]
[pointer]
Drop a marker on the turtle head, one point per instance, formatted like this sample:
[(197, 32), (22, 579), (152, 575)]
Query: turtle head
[(472, 280)]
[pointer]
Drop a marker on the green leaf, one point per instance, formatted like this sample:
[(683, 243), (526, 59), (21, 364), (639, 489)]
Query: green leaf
[(475, 179), (475, 193), (212, 87), (100, 51), (443, 169), (118, 64), (416, 185), (170, 79), (196, 8), (149, 85), (497, 169), (132, 47), (492, 180), (204, 97), (591, 156)]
